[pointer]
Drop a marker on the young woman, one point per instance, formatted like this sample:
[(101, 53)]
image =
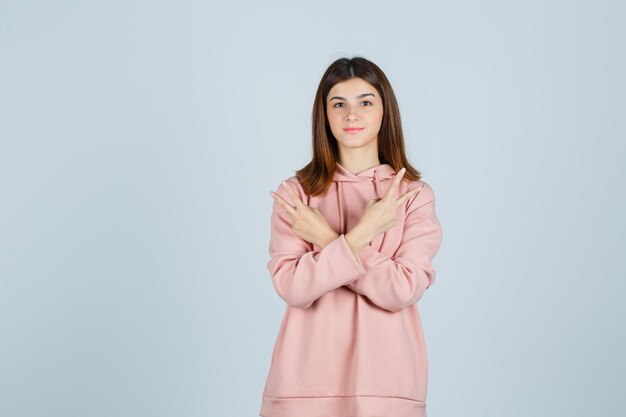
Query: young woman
[(353, 235)]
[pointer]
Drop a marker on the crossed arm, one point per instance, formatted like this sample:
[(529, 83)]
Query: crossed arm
[(301, 274)]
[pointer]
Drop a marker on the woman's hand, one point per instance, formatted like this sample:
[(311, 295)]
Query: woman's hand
[(307, 222), (380, 215)]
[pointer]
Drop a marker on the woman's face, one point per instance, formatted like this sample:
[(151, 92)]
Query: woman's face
[(354, 103)]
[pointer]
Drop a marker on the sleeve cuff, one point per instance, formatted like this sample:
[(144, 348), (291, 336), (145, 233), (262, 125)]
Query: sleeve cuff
[(370, 257), (350, 267)]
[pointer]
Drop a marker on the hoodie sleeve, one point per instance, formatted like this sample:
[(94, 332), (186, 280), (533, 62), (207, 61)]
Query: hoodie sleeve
[(400, 281), (301, 274)]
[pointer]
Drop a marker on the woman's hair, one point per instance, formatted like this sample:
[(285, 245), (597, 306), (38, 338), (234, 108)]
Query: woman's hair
[(317, 175)]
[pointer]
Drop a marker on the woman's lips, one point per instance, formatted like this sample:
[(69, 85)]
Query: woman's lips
[(353, 129)]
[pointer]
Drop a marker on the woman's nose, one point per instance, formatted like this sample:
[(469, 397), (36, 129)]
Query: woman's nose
[(353, 112)]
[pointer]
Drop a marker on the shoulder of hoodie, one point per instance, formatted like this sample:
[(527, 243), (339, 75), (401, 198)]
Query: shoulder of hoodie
[(295, 185), (423, 201), (281, 190)]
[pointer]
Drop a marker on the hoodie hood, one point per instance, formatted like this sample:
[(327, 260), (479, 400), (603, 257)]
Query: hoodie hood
[(372, 175)]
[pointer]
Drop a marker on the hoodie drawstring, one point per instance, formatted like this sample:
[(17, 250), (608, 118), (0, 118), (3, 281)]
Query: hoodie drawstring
[(339, 194)]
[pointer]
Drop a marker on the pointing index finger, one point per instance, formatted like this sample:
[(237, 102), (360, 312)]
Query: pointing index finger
[(406, 196), (395, 184), (283, 202), (294, 197)]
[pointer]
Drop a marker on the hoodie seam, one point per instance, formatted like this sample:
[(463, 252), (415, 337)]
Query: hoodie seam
[(345, 396)]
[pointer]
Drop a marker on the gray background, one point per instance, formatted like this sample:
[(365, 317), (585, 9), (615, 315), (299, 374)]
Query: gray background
[(138, 143)]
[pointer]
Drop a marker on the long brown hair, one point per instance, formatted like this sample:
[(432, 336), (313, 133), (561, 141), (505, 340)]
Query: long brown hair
[(317, 175)]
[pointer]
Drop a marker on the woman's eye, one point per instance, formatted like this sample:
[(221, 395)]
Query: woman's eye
[(367, 104)]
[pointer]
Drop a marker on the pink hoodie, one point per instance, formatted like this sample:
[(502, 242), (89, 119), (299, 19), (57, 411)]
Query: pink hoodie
[(351, 342)]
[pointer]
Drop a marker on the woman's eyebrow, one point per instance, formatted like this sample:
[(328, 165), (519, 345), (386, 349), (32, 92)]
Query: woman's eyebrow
[(357, 97)]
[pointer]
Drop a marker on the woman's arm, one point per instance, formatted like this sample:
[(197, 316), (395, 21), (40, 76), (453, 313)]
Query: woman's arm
[(301, 274), (396, 282)]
